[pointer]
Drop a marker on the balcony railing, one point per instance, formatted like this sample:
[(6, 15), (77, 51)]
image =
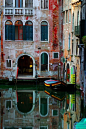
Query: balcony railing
[(77, 31), (18, 11)]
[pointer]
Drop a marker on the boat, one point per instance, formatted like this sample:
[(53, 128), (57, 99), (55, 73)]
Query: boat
[(55, 84), (55, 94)]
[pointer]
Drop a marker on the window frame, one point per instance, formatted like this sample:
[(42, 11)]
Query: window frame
[(42, 32), (44, 8), (11, 104), (28, 4), (54, 53), (9, 6), (57, 112), (11, 24), (18, 25), (11, 63)]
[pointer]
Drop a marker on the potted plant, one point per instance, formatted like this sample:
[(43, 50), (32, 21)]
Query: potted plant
[(84, 40)]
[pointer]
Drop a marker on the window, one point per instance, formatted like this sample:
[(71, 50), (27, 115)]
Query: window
[(67, 16), (43, 106), (54, 112), (19, 3), (73, 22), (55, 55), (69, 42), (8, 104), (8, 3), (44, 31), (64, 18), (8, 63), (18, 30), (77, 47), (44, 61), (44, 4), (70, 15), (8, 30), (28, 31), (43, 127), (78, 18), (72, 47), (29, 3)]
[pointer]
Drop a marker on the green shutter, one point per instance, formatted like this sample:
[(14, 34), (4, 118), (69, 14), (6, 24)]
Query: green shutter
[(6, 32), (31, 33), (10, 32), (42, 33), (46, 33), (13, 32), (27, 32), (24, 33), (43, 106), (44, 58)]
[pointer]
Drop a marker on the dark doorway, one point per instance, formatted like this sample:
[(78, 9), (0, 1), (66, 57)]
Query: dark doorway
[(25, 65)]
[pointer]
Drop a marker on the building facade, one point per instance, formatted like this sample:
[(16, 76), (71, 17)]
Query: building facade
[(30, 38)]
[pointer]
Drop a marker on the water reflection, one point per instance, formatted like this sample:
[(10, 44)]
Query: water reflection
[(39, 109)]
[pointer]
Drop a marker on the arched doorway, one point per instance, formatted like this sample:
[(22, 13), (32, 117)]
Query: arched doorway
[(25, 65)]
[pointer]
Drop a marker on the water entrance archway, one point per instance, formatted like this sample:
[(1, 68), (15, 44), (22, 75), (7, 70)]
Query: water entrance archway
[(25, 65)]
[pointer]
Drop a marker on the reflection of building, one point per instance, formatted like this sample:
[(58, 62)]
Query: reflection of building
[(72, 111), (71, 37), (22, 109), (30, 34)]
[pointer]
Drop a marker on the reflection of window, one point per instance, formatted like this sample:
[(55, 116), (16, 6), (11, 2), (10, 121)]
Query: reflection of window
[(55, 55), (44, 4), (8, 30), (19, 3), (28, 31), (8, 3), (63, 17), (78, 18), (43, 106), (44, 62), (43, 127), (67, 16), (8, 63), (44, 31), (69, 42), (70, 15), (73, 22), (18, 30), (54, 112), (8, 104), (29, 3)]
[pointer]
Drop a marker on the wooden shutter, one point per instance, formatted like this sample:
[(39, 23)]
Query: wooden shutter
[(10, 32), (42, 33), (44, 58), (46, 33), (24, 32), (6, 32), (43, 106), (13, 32), (31, 33)]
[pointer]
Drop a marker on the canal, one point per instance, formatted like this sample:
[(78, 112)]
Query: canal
[(38, 107)]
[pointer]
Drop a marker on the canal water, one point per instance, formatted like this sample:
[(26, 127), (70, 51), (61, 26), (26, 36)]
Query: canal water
[(39, 107)]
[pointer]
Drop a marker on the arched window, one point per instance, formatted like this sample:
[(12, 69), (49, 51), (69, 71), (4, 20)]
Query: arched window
[(73, 22), (8, 3), (69, 42), (19, 3), (28, 29), (43, 106), (29, 3), (44, 31), (44, 61), (78, 18), (18, 30), (8, 30)]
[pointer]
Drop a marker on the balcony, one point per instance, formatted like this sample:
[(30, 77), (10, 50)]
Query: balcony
[(18, 11), (77, 31)]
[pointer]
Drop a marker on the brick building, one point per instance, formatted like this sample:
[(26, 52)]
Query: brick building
[(30, 38)]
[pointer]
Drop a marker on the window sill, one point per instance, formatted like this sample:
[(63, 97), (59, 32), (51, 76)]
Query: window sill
[(77, 55), (68, 49), (71, 55), (44, 41)]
